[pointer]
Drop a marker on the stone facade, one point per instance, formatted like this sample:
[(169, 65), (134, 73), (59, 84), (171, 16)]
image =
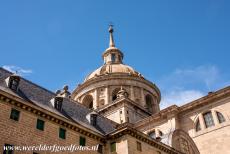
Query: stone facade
[(24, 132), (212, 139)]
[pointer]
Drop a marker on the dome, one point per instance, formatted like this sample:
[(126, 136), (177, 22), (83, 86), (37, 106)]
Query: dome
[(112, 62), (112, 69)]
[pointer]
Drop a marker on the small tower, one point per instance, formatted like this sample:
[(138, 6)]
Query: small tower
[(112, 55)]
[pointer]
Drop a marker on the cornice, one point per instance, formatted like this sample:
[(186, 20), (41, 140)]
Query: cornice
[(126, 129), (211, 97), (111, 76), (12, 100), (174, 109)]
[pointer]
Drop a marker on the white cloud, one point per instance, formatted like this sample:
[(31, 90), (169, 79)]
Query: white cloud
[(180, 97), (201, 76), (18, 70), (206, 74), (185, 85)]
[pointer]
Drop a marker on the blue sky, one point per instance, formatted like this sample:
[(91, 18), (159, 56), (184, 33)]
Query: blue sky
[(182, 46)]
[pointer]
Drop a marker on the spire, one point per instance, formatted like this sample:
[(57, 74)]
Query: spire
[(111, 41), (112, 54)]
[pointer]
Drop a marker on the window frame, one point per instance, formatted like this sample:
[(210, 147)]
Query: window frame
[(93, 119), (100, 149), (14, 83), (113, 57), (58, 103), (40, 124), (208, 119), (139, 146), (14, 114), (220, 117), (82, 141), (62, 133), (113, 147)]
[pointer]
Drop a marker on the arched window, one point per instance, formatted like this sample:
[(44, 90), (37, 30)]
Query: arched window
[(149, 103), (208, 119), (114, 97), (198, 128), (88, 101), (220, 117), (91, 105)]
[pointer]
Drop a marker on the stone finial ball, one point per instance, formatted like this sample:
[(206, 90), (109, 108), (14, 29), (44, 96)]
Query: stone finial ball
[(65, 87)]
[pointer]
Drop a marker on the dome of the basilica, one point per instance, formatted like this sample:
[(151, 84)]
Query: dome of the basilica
[(114, 79), (112, 69), (112, 62)]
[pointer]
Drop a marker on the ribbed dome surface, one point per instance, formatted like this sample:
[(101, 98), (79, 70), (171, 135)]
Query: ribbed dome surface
[(110, 69)]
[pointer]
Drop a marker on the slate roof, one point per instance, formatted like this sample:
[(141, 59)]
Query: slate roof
[(41, 97)]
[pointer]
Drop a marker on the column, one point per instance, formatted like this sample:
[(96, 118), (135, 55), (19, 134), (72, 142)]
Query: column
[(132, 93), (95, 104), (157, 132), (142, 97), (202, 123), (214, 117), (107, 95)]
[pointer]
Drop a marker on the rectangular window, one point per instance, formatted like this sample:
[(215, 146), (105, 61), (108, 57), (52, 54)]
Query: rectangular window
[(82, 141), (14, 114), (40, 124), (113, 147), (208, 119), (14, 84), (8, 149), (58, 103), (113, 57), (139, 148), (62, 133), (100, 149)]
